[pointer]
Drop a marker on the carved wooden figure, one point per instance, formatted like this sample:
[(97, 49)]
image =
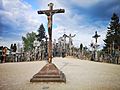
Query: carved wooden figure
[(49, 14)]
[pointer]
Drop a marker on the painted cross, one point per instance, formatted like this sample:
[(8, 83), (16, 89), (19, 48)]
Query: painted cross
[(49, 14)]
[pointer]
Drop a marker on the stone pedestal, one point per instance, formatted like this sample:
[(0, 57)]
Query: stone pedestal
[(49, 73)]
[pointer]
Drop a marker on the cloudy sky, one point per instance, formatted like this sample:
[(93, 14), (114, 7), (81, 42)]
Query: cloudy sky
[(81, 17)]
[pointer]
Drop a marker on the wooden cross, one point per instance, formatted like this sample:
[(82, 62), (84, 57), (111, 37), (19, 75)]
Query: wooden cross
[(49, 14)]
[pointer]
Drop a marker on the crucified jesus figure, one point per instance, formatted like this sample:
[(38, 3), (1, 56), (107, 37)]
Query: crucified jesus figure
[(49, 14), (70, 40)]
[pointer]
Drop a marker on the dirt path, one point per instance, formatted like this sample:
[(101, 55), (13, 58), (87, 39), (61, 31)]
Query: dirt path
[(80, 75)]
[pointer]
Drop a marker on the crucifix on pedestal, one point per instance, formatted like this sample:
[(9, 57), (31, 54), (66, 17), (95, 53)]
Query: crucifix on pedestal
[(49, 14), (49, 73)]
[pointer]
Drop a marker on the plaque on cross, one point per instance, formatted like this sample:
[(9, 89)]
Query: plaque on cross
[(49, 14)]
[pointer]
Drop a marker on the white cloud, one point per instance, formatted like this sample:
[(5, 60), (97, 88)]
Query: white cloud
[(21, 15), (7, 42), (73, 23), (85, 3)]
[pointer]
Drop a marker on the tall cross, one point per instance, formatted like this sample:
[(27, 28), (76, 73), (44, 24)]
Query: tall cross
[(49, 14)]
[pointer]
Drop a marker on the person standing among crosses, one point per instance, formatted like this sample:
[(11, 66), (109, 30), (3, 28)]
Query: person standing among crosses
[(4, 51)]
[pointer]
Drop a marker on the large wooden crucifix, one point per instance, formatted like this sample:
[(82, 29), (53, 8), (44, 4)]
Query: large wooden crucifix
[(49, 14)]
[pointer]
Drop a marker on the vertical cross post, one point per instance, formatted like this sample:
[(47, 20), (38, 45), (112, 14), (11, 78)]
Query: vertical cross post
[(49, 14), (96, 37)]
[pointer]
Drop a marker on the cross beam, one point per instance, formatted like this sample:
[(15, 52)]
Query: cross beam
[(51, 11), (49, 14)]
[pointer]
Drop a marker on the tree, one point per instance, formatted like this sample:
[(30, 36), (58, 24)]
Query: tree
[(112, 40), (28, 41), (41, 33)]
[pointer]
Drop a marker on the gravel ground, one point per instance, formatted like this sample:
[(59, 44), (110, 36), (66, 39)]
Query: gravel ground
[(80, 75)]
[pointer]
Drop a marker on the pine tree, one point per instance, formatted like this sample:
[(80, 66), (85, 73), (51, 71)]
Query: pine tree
[(118, 37), (113, 34), (41, 33)]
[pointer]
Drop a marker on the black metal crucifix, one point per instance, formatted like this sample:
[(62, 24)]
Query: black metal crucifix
[(96, 36), (49, 14)]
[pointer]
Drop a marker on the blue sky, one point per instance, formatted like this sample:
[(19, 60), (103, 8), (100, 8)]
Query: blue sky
[(81, 17)]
